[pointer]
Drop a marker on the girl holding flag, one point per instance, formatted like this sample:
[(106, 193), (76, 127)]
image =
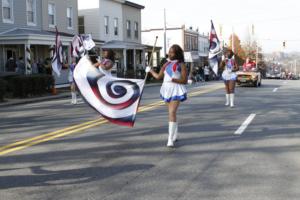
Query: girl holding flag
[(107, 62), (72, 82), (229, 76), (172, 90)]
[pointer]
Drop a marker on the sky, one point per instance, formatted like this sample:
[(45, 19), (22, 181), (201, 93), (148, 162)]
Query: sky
[(275, 21)]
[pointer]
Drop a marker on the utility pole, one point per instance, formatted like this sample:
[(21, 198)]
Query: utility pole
[(232, 40), (295, 67), (165, 33), (256, 56)]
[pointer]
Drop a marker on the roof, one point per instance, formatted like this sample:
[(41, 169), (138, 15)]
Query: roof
[(24, 33), (116, 44), (138, 6)]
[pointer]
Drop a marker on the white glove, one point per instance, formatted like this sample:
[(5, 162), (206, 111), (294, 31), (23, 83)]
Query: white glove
[(148, 69), (190, 81)]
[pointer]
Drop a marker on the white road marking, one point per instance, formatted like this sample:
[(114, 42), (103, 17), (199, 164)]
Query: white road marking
[(245, 125), (284, 82), (275, 89)]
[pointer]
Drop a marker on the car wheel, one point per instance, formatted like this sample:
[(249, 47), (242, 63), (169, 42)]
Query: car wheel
[(255, 83)]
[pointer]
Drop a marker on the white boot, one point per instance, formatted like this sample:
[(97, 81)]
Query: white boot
[(72, 95), (232, 100), (227, 100), (172, 127), (75, 98), (175, 136)]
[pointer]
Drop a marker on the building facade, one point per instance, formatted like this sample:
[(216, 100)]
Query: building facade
[(203, 48), (118, 24), (186, 38), (27, 29)]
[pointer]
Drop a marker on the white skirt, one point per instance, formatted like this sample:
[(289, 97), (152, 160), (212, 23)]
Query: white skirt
[(173, 92), (229, 76)]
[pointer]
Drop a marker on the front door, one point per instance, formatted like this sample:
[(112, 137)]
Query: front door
[(10, 59)]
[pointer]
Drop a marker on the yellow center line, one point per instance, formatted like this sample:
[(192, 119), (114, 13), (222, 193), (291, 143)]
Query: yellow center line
[(80, 127)]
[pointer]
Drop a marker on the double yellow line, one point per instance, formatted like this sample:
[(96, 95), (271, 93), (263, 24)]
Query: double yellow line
[(81, 127)]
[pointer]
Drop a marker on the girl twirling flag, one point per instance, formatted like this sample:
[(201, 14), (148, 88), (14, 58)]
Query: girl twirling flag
[(116, 99)]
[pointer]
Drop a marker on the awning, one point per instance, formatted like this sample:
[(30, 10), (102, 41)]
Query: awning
[(191, 57), (35, 37), (116, 44)]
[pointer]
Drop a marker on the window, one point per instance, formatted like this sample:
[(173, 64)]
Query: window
[(51, 14), (106, 22), (70, 17), (31, 12), (7, 11), (136, 30), (128, 28), (116, 26), (81, 25)]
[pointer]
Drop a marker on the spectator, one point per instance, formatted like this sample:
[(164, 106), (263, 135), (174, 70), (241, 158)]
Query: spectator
[(20, 66), (206, 73), (48, 66), (34, 67), (11, 65), (41, 66)]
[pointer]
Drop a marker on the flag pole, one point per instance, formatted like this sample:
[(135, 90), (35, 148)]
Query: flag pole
[(151, 57)]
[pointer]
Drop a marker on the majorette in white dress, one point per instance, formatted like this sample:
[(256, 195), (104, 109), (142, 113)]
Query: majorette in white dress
[(106, 62), (171, 91), (228, 74)]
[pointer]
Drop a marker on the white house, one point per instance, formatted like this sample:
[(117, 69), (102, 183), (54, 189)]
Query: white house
[(118, 24)]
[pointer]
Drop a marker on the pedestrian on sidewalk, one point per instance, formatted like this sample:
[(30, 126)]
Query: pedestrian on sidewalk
[(72, 82), (229, 76), (173, 89), (206, 73)]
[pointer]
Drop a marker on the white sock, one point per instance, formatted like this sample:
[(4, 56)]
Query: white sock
[(232, 100), (72, 95), (175, 136), (227, 100), (172, 126), (75, 98)]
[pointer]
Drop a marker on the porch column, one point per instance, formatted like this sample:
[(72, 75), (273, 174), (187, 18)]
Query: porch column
[(125, 61), (134, 60), (144, 58), (27, 59), (69, 54)]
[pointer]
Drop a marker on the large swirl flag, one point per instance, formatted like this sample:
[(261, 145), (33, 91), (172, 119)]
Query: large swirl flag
[(115, 99), (214, 49)]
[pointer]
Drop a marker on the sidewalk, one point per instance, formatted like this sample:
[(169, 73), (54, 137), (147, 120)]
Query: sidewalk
[(62, 92)]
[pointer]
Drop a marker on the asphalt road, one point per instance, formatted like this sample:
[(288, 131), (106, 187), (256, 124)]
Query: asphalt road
[(67, 152)]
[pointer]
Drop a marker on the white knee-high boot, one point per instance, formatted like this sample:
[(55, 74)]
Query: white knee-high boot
[(232, 100), (227, 100), (175, 136), (172, 126), (74, 98)]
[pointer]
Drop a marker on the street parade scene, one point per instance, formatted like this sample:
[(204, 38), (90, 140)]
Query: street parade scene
[(149, 100)]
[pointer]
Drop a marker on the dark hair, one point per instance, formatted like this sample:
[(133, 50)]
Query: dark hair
[(110, 54), (179, 55), (93, 56), (229, 53)]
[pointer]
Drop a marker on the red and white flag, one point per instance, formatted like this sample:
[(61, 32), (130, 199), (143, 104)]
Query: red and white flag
[(57, 59), (116, 99), (214, 49)]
